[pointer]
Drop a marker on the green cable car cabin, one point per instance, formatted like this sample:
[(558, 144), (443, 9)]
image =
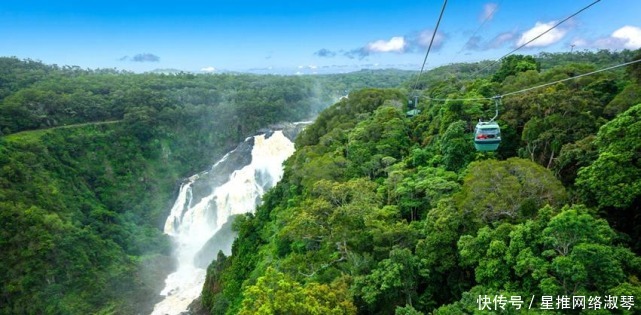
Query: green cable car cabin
[(487, 136)]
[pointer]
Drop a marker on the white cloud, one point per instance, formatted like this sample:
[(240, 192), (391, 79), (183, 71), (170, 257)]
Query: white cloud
[(547, 39), (630, 36), (425, 37), (579, 42), (489, 9), (208, 69), (479, 44), (626, 37), (608, 42), (500, 40), (395, 44), (398, 44)]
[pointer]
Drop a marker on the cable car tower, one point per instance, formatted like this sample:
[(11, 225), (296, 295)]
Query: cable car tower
[(487, 134)]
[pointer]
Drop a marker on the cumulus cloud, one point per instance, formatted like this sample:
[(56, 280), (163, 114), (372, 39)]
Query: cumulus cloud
[(359, 53), (608, 42), (579, 42), (324, 52), (626, 37), (477, 43), (501, 39), (208, 69), (146, 57), (474, 43), (489, 9), (423, 39), (549, 38), (630, 36), (395, 44)]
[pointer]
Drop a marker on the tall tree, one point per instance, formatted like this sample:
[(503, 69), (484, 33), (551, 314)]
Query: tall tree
[(508, 190), (514, 64)]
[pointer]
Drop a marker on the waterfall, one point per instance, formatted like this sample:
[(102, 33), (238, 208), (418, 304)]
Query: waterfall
[(205, 202)]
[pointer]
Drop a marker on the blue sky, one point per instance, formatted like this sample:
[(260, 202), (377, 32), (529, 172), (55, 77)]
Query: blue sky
[(311, 36)]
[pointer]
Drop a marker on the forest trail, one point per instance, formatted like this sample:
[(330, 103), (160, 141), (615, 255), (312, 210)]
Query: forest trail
[(38, 132)]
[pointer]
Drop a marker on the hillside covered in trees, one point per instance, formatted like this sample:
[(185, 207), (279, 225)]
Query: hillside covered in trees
[(379, 213), (90, 161)]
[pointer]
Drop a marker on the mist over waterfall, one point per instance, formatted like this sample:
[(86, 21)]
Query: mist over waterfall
[(207, 201)]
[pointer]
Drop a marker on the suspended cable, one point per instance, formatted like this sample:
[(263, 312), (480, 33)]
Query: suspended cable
[(537, 86), (571, 78), (459, 99), (438, 22), (487, 18), (538, 36)]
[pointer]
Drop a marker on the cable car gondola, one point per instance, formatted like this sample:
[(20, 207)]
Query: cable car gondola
[(411, 106), (487, 134)]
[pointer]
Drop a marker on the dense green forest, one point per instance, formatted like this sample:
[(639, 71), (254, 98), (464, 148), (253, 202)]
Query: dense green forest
[(90, 161), (379, 213)]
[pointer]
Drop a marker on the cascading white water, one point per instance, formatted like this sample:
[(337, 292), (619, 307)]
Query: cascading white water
[(192, 222)]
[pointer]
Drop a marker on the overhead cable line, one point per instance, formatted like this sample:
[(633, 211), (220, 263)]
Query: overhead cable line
[(538, 86), (571, 78), (438, 22), (538, 36), (487, 18)]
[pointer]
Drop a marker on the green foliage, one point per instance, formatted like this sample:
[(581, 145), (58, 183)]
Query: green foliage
[(614, 179), (393, 279), (213, 285), (420, 223), (275, 293), (574, 156), (60, 242), (346, 113), (377, 213), (33, 96), (407, 310), (566, 254), (514, 64), (377, 142), (444, 226), (508, 190), (628, 97), (89, 161), (456, 147), (601, 58), (417, 190), (556, 253), (612, 182)]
